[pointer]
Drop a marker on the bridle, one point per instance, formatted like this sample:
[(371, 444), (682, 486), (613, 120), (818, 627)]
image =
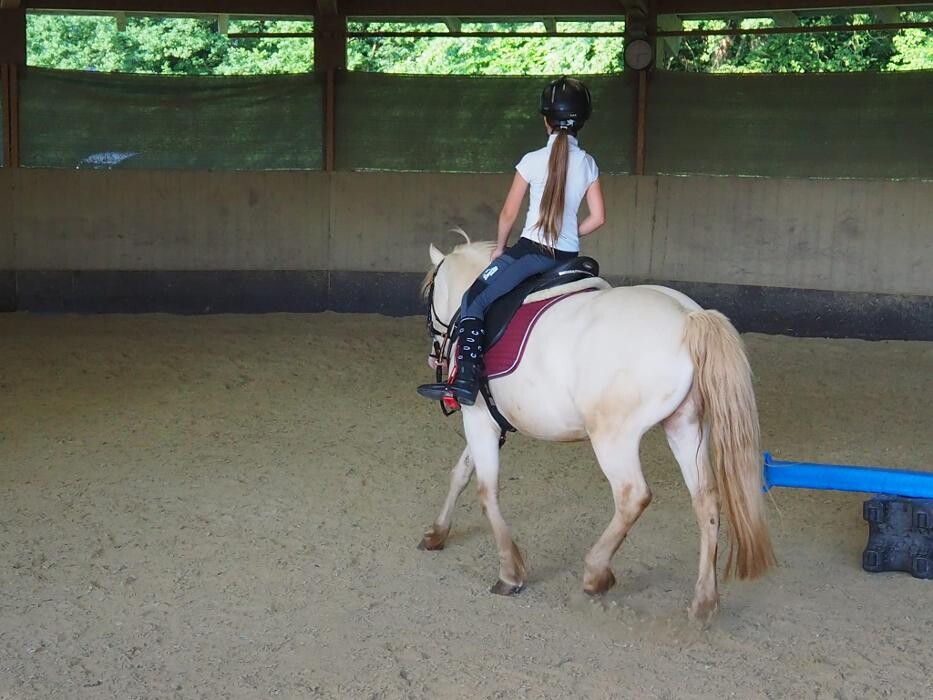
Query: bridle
[(441, 349)]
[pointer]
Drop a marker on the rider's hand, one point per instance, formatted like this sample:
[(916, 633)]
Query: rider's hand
[(497, 253)]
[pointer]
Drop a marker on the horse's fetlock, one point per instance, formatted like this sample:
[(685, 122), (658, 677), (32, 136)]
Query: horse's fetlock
[(645, 500)]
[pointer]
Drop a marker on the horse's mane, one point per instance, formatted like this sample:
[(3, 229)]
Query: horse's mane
[(475, 254)]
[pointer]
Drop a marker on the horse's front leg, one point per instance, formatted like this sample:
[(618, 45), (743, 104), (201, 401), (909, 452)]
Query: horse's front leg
[(482, 436), (459, 478)]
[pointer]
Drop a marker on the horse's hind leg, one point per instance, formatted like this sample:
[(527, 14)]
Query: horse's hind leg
[(689, 443), (618, 458), (459, 478)]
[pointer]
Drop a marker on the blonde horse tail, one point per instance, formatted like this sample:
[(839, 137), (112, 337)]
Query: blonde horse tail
[(723, 386)]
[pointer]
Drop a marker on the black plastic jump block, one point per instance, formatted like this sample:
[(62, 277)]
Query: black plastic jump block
[(900, 535)]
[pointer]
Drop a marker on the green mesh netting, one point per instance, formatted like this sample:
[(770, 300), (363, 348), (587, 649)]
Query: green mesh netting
[(861, 125), (812, 125), (467, 124), (93, 120)]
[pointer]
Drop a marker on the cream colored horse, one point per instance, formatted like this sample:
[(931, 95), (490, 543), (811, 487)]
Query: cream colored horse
[(607, 366)]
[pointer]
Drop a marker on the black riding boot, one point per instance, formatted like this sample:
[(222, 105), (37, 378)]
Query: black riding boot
[(471, 344), (470, 348)]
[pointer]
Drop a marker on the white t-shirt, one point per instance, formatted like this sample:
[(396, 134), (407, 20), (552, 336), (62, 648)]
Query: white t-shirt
[(581, 173)]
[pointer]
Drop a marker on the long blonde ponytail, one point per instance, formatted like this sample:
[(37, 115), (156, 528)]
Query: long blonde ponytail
[(551, 213)]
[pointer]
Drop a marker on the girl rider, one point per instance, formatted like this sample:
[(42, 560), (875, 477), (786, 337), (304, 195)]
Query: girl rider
[(560, 176)]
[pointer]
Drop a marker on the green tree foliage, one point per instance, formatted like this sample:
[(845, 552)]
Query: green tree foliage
[(786, 53), (488, 56), (195, 47), (172, 46), (914, 47)]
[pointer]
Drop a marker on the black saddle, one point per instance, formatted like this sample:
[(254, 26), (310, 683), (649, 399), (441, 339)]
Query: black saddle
[(500, 313)]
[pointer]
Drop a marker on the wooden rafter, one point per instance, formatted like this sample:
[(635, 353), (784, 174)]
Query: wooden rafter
[(456, 8), (768, 7), (821, 29)]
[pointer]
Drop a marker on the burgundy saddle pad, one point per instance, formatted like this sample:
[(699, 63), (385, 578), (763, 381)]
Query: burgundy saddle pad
[(504, 357)]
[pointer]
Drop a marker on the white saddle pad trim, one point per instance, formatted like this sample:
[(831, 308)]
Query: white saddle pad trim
[(569, 288)]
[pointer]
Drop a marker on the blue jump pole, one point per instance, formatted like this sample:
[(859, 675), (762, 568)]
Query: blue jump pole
[(843, 477)]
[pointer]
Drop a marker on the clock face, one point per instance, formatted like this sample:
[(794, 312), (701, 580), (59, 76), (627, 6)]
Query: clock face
[(638, 54)]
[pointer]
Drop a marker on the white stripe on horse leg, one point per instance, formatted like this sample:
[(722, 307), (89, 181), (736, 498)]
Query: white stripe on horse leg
[(483, 439), (690, 444), (459, 478), (618, 458)]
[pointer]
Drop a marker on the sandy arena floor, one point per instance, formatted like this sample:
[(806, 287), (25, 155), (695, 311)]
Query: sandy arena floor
[(228, 507)]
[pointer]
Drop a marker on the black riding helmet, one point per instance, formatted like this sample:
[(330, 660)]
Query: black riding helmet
[(566, 103)]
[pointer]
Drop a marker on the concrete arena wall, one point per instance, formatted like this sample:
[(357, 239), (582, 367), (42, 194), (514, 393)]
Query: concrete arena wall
[(812, 257)]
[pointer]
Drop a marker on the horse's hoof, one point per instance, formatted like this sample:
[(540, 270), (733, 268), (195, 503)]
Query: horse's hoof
[(600, 584), (703, 612), (433, 540), (503, 588)]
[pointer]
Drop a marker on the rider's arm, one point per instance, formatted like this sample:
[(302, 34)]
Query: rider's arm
[(597, 215), (509, 213)]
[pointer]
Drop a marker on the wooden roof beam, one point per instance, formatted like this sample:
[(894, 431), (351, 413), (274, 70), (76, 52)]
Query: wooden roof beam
[(768, 7), (450, 8), (179, 7)]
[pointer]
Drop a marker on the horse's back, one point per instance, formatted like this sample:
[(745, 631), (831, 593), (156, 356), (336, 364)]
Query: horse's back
[(650, 313), (618, 350), (685, 301)]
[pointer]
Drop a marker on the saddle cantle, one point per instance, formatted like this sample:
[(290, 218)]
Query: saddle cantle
[(500, 313)]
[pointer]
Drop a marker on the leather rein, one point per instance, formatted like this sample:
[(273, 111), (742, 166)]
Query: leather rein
[(442, 349)]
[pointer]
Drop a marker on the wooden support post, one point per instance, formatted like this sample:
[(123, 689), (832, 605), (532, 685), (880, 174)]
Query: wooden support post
[(15, 140), (641, 18), (13, 62), (330, 55), (330, 120), (13, 111), (641, 122), (5, 114)]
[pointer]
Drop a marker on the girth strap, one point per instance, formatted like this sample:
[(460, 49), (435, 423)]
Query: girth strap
[(504, 426)]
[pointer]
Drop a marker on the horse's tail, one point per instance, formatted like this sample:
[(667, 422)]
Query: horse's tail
[(723, 386)]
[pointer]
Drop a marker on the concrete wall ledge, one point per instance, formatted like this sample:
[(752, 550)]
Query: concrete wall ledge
[(775, 310)]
